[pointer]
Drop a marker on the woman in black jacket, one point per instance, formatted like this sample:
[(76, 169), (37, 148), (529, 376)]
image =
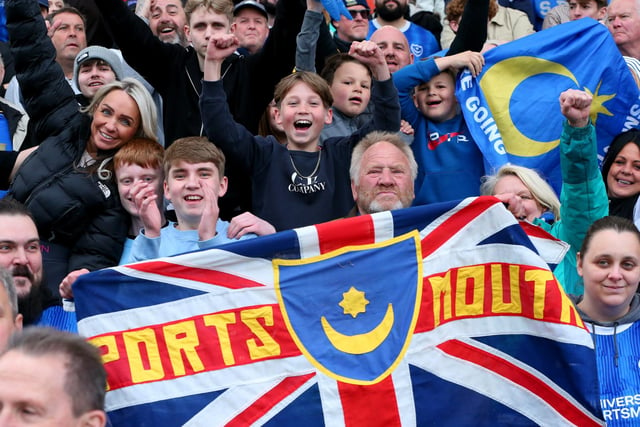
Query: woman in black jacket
[(67, 183)]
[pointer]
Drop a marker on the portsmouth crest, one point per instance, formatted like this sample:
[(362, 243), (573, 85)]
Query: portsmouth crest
[(352, 311)]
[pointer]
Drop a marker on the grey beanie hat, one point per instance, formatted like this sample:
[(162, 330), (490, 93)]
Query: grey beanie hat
[(98, 52)]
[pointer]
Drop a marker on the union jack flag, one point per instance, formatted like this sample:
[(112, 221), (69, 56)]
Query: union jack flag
[(435, 315)]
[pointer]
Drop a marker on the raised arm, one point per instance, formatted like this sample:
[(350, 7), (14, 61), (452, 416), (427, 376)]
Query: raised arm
[(307, 39), (48, 98), (142, 50), (583, 198), (237, 143)]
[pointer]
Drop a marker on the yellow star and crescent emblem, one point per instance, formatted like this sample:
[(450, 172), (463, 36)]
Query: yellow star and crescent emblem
[(597, 104), (353, 302)]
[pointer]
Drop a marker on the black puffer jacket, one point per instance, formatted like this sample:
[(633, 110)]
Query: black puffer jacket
[(72, 207)]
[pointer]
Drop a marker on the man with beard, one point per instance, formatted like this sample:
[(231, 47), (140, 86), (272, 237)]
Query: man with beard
[(167, 21), (392, 12), (382, 172), (20, 254)]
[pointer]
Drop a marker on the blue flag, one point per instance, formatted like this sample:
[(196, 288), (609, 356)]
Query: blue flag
[(512, 107)]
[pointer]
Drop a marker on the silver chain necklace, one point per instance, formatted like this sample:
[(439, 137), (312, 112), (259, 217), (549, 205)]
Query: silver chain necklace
[(314, 170)]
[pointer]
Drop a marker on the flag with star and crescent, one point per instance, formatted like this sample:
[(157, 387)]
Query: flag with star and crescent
[(512, 107), (434, 315)]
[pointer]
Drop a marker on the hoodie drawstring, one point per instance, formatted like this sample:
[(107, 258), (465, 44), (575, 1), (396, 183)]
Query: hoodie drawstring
[(615, 344)]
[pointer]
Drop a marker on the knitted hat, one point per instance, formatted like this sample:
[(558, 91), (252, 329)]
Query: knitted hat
[(97, 52), (44, 3)]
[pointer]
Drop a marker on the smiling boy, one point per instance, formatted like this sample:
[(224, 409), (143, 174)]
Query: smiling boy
[(194, 181), (450, 164), (300, 183)]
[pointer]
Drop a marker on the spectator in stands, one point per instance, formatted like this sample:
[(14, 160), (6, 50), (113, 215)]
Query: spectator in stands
[(450, 163), (623, 20), (351, 30), (67, 183), (138, 165), (609, 263), (94, 67), (349, 79), (382, 173), (392, 12), (505, 24), (583, 194), (394, 46), (10, 319), (66, 28), (250, 26), (621, 175), (167, 21), (301, 183), (52, 378), (596, 9), (20, 255)]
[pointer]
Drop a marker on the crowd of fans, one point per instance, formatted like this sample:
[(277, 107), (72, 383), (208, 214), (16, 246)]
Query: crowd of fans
[(131, 131)]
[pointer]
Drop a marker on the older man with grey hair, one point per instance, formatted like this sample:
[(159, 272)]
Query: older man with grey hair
[(382, 173)]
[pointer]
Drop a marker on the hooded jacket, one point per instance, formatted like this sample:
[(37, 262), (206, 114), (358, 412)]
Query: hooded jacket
[(617, 347)]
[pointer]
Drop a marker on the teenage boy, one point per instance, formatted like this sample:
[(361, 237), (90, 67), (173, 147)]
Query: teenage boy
[(94, 67), (194, 181), (299, 183)]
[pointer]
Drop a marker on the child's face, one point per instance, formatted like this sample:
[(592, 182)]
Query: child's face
[(351, 89), (130, 174), (192, 187), (302, 115), (436, 99)]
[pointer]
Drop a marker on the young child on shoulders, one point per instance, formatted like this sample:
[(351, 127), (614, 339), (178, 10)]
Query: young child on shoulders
[(450, 164), (138, 164), (299, 183), (193, 182)]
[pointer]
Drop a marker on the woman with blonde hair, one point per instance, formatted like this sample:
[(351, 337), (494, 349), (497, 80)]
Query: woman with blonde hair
[(67, 183)]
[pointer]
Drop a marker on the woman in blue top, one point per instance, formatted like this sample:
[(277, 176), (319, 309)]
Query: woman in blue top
[(609, 262)]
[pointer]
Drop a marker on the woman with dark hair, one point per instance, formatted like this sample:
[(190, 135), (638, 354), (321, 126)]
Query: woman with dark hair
[(621, 175), (609, 263)]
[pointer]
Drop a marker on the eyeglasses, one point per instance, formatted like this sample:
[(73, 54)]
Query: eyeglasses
[(364, 13)]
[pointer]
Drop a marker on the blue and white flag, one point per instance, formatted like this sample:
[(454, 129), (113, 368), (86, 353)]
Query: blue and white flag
[(512, 107)]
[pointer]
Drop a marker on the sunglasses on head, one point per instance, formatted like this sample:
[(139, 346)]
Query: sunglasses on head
[(364, 13)]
